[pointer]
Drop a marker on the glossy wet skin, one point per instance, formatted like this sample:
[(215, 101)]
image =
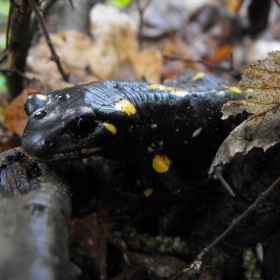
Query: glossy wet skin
[(71, 121), (123, 120)]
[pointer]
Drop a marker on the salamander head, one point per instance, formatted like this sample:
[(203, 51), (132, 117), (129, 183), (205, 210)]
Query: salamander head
[(74, 122)]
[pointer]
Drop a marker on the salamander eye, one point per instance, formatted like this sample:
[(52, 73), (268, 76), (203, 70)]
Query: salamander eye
[(81, 127), (40, 115)]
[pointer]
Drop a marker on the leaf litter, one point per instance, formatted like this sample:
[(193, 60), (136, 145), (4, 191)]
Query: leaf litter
[(262, 129)]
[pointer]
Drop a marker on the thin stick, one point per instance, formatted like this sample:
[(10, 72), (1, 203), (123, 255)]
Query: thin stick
[(9, 24), (224, 182), (235, 73), (41, 21), (197, 263), (15, 71), (141, 12), (237, 221)]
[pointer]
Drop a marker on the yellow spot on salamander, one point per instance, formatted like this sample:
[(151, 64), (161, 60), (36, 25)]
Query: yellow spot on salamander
[(83, 83), (157, 86), (234, 89), (69, 86), (111, 127), (77, 84), (41, 96), (125, 106), (198, 76), (178, 92), (161, 164), (148, 192), (87, 109)]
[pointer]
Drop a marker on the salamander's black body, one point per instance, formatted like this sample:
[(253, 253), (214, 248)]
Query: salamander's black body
[(151, 127), (130, 121)]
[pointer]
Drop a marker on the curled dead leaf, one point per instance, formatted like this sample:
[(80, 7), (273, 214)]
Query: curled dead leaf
[(262, 84), (236, 107), (261, 131)]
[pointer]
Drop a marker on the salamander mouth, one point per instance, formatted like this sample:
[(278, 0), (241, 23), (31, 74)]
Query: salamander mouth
[(77, 154)]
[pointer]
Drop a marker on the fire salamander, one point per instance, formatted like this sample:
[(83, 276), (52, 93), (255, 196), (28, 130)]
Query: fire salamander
[(172, 133)]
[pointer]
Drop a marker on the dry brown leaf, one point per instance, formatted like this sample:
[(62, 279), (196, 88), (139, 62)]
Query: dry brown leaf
[(14, 117), (114, 46), (161, 265), (262, 82), (89, 243), (116, 40), (233, 6), (261, 131), (106, 221), (220, 54), (116, 37), (74, 50), (188, 53), (148, 64), (10, 143), (252, 107)]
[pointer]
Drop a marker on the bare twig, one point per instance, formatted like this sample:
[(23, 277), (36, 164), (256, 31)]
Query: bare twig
[(17, 72), (235, 73), (54, 57), (9, 23), (141, 23), (237, 221), (224, 182), (19, 35), (198, 260)]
